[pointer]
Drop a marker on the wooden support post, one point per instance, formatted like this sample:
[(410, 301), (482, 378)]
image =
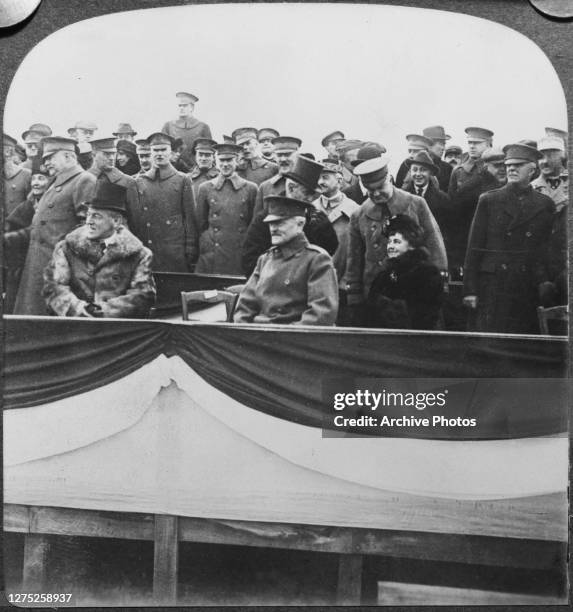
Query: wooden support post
[(165, 559), (36, 547), (349, 589)]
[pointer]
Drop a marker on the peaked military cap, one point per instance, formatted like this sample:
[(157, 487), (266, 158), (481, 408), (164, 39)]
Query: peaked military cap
[(53, 144), (36, 132), (417, 141), (521, 153), (160, 138), (240, 135), (187, 97), (103, 144), (557, 133), (551, 144), (492, 155), (227, 149), (9, 141), (373, 170), (267, 133), (337, 135), (369, 150), (528, 142), (455, 149), (205, 144), (281, 207), (477, 133), (109, 196), (286, 143), (331, 165), (436, 132), (142, 145), (348, 145), (124, 128), (305, 172), (423, 158)]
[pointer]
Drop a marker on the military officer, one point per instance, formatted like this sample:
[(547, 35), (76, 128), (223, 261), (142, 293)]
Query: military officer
[(103, 166), (206, 169), (254, 168), (367, 242), (16, 178), (163, 213), (83, 132), (265, 138), (143, 151), (330, 142), (285, 148), (224, 210), (453, 156), (415, 143), (60, 209), (294, 282), (125, 132), (347, 153), (505, 271), (437, 134), (32, 138), (187, 127), (368, 150)]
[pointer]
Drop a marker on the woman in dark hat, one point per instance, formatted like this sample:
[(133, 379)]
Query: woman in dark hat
[(407, 293), (126, 159)]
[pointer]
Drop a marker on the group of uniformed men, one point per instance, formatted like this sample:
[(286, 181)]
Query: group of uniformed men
[(88, 220)]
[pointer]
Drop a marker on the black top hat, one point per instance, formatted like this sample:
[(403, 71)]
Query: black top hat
[(109, 196), (305, 172)]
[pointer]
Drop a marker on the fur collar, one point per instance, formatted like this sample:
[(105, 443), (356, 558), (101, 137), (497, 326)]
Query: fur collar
[(123, 245), (407, 261)]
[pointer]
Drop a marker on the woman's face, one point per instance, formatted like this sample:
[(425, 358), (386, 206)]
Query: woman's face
[(122, 158), (397, 245)]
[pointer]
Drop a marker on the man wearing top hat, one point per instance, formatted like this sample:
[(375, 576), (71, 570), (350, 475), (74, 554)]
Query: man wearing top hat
[(101, 269), (285, 148), (330, 142), (294, 282), (16, 178), (367, 241), (206, 169), (224, 210), (254, 167), (104, 153), (437, 134), (265, 137), (32, 138), (125, 132), (415, 143), (59, 211), (505, 271), (468, 181), (162, 214), (186, 127), (301, 183)]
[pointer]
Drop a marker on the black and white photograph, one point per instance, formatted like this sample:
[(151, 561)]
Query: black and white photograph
[(285, 306)]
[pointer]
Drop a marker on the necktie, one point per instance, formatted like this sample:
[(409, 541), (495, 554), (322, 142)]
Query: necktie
[(553, 182), (420, 190), (102, 249)]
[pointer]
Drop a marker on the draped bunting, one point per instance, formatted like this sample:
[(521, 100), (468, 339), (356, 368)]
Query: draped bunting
[(284, 372)]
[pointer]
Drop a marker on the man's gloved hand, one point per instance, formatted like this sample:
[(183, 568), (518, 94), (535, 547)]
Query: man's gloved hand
[(94, 310)]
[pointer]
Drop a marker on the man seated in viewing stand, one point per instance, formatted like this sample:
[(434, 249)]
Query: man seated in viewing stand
[(366, 240), (101, 269), (300, 183), (294, 282)]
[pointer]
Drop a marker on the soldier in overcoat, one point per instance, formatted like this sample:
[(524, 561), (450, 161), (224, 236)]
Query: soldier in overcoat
[(206, 169), (16, 178), (254, 167), (60, 210)]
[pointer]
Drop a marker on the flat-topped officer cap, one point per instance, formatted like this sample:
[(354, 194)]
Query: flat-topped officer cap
[(551, 144), (36, 132), (477, 133), (556, 133), (53, 144), (519, 153), (455, 149), (126, 146), (103, 144), (109, 196), (142, 145), (227, 149), (9, 141), (373, 170), (493, 155), (267, 133), (281, 207), (417, 141), (305, 172), (436, 132), (337, 135), (286, 143), (205, 144), (124, 128), (159, 138), (423, 158), (332, 166), (185, 96), (241, 135), (528, 142), (369, 150)]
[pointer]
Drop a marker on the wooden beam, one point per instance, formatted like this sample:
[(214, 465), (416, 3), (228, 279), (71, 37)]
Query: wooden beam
[(36, 548), (165, 559), (349, 586)]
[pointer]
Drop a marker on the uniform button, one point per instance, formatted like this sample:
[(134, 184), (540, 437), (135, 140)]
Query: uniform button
[(150, 242), (242, 216), (168, 222), (148, 224), (215, 229), (145, 208), (287, 282), (528, 234), (216, 244), (504, 266), (13, 186), (508, 233), (376, 246), (380, 263), (215, 215)]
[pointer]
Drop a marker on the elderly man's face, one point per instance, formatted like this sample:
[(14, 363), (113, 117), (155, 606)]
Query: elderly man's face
[(160, 154), (520, 173), (145, 160), (285, 230), (104, 160), (453, 159), (285, 161), (227, 165), (420, 175), (8, 152), (476, 148), (380, 191), (38, 184), (551, 164), (57, 162), (497, 169), (185, 109), (329, 183), (100, 224), (205, 159)]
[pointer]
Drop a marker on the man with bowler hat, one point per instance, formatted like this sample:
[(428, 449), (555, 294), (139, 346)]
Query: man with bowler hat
[(125, 132), (101, 269), (294, 282)]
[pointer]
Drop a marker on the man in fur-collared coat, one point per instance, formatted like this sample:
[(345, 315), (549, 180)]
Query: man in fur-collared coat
[(101, 269)]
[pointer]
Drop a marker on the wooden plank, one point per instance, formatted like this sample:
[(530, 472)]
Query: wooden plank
[(349, 586), (404, 594), (36, 548), (16, 518), (165, 559)]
